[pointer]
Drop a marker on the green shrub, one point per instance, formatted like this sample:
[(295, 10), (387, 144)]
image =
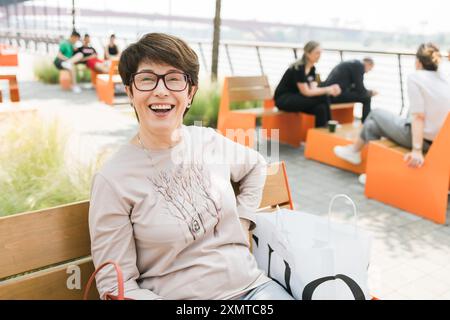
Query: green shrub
[(34, 170), (205, 107), (46, 72)]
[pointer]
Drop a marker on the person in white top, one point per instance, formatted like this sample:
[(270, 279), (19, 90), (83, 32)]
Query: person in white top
[(429, 97), (163, 207)]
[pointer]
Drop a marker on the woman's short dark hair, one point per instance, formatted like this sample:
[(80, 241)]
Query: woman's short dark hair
[(429, 56), (159, 48)]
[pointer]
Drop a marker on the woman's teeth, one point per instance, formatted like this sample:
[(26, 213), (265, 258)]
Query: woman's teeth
[(161, 107)]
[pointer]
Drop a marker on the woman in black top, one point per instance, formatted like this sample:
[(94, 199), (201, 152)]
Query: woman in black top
[(111, 50), (298, 90)]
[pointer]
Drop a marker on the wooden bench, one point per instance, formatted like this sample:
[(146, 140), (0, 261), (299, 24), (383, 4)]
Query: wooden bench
[(292, 126), (422, 191), (42, 251), (104, 83), (14, 95)]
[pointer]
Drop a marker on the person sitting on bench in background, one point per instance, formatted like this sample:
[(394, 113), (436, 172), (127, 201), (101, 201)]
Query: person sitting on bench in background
[(65, 53), (89, 57), (349, 75), (298, 89), (111, 49), (429, 98)]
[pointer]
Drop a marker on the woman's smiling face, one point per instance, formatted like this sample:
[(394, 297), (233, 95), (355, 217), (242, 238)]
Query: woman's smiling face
[(160, 110)]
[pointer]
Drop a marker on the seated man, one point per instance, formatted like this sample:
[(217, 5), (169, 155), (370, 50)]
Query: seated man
[(349, 75), (65, 53), (86, 54)]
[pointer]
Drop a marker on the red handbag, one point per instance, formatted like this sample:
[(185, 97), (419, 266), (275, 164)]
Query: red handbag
[(120, 285)]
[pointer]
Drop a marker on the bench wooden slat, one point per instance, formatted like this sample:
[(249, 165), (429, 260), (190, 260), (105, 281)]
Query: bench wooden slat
[(40, 238), (276, 190), (347, 131), (236, 82), (259, 112), (250, 94), (50, 284), (337, 106)]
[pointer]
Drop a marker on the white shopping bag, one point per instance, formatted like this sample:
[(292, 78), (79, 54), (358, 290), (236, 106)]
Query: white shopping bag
[(312, 256)]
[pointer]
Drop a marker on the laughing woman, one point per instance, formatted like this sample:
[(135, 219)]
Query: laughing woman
[(163, 207)]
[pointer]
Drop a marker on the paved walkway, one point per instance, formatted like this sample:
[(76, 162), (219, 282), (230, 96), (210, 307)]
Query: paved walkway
[(410, 256)]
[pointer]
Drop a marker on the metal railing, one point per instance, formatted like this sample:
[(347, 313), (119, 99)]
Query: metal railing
[(389, 76)]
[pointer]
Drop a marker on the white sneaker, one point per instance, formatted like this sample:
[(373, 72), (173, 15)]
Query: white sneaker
[(346, 153), (76, 89), (66, 65), (362, 179)]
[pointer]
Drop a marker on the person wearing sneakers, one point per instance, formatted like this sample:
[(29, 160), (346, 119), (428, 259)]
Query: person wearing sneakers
[(429, 97), (65, 53), (298, 89)]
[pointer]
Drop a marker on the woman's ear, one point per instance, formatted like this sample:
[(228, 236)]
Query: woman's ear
[(192, 93), (129, 93)]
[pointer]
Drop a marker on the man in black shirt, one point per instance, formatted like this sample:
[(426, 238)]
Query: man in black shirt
[(349, 75)]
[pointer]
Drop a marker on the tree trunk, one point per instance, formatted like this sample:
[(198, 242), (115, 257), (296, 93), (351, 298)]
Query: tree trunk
[(216, 41), (73, 15)]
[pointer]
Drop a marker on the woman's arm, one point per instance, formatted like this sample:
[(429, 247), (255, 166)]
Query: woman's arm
[(60, 56), (314, 91), (415, 158), (112, 239), (107, 53), (248, 168)]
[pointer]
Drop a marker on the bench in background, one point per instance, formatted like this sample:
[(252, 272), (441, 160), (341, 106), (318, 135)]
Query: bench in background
[(292, 126)]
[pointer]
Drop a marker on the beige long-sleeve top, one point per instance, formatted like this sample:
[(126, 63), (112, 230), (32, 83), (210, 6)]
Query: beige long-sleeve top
[(171, 220)]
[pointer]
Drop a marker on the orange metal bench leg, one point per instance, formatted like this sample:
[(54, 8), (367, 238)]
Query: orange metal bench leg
[(93, 77), (14, 90), (344, 115), (292, 127), (320, 145), (65, 79)]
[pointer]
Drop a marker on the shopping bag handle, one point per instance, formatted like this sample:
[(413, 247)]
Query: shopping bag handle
[(353, 206), (119, 274)]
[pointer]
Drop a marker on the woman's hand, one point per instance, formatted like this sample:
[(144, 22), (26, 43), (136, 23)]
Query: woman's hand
[(334, 90), (414, 159)]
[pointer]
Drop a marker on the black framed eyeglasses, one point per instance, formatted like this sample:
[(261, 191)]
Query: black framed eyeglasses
[(148, 81)]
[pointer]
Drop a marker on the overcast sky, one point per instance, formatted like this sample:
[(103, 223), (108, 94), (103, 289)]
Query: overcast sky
[(418, 16)]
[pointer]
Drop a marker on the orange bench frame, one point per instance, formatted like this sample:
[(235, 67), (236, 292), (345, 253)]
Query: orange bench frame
[(8, 56), (320, 143), (13, 87), (421, 191), (104, 84)]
